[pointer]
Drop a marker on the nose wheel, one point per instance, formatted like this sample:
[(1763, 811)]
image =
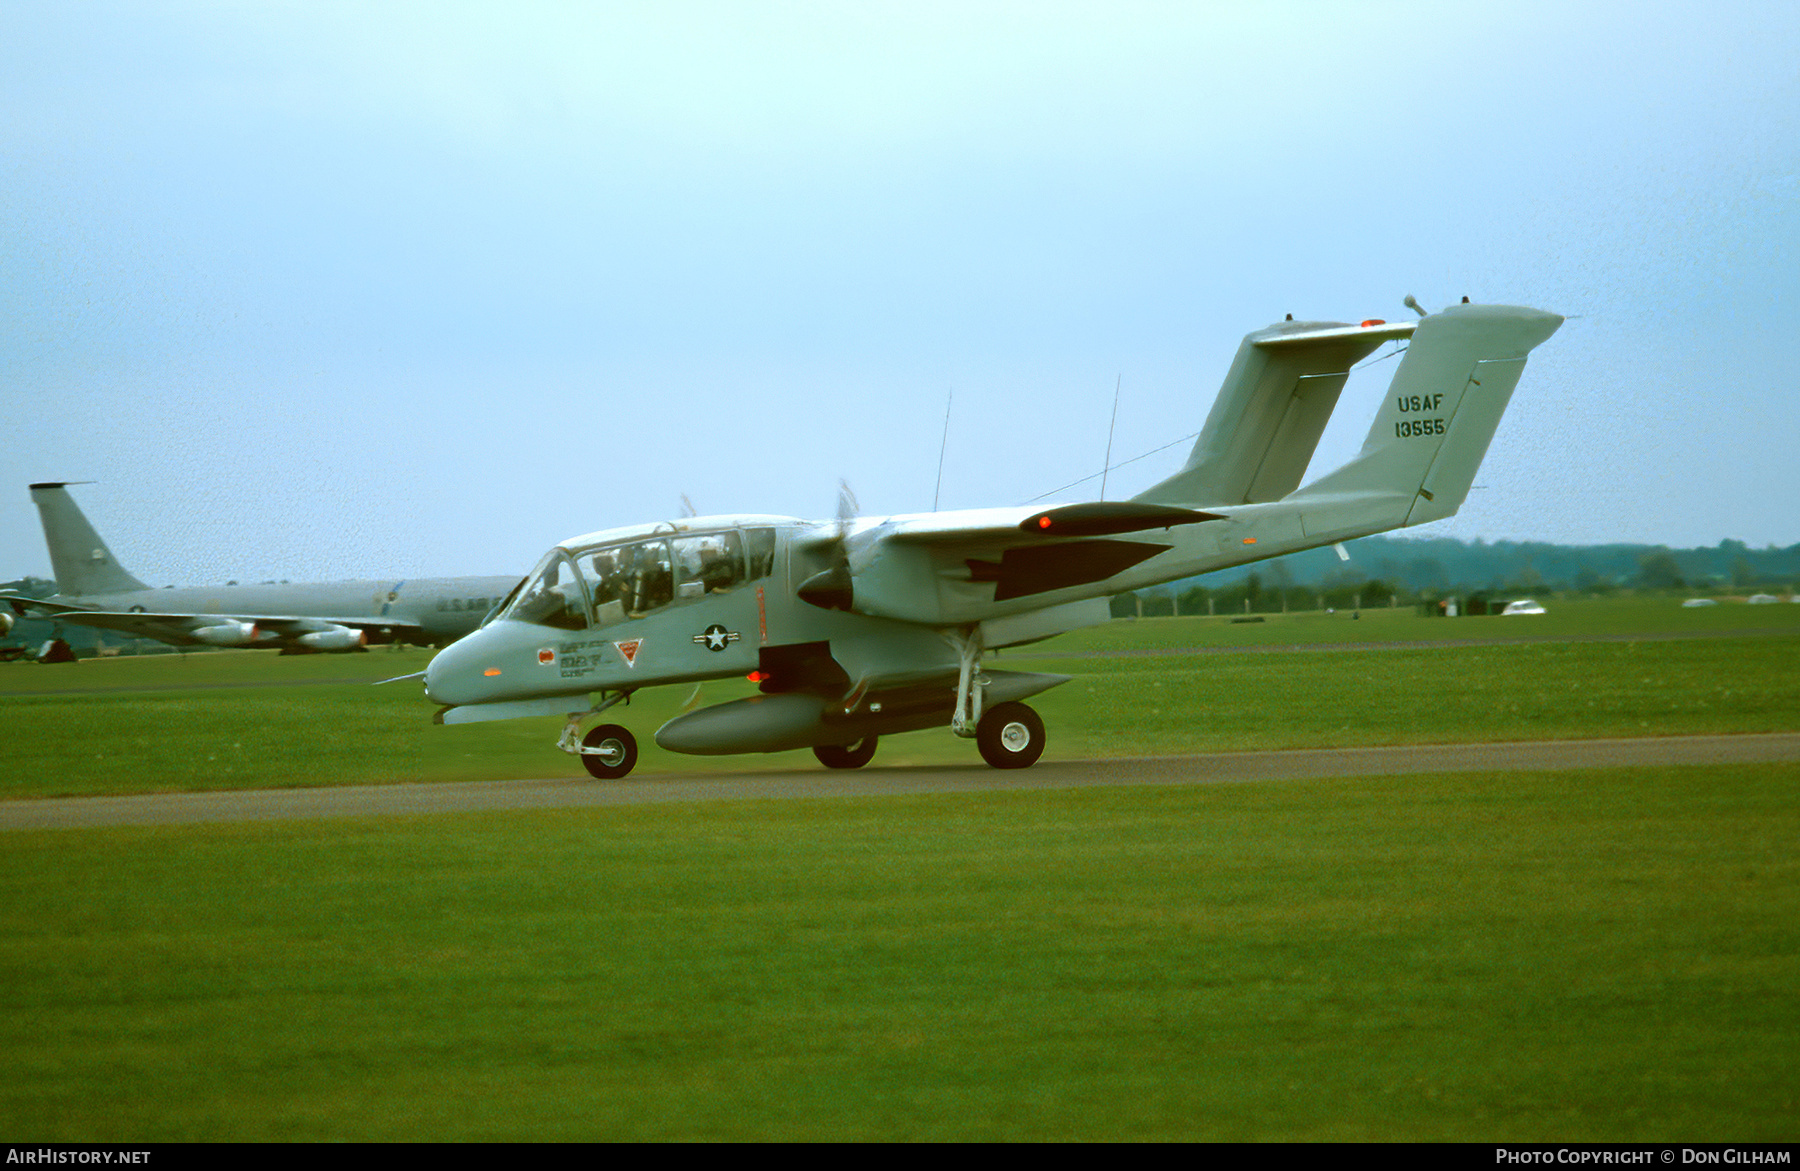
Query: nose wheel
[(1010, 735), (609, 752)]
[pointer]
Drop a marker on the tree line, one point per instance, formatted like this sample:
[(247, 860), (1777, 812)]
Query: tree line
[(1386, 571)]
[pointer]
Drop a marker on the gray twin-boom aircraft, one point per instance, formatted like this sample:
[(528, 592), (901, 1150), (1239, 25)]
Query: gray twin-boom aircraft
[(95, 590), (856, 628)]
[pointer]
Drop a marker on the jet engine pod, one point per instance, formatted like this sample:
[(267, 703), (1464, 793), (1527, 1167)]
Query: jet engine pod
[(337, 638), (230, 632)]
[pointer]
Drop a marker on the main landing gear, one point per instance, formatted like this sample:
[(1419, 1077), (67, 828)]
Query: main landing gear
[(1010, 735)]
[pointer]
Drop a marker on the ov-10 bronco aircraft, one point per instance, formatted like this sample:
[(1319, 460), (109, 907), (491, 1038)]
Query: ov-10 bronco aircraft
[(856, 628), (95, 590)]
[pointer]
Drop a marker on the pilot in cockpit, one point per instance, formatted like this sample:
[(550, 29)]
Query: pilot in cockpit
[(605, 576), (648, 579), (711, 562)]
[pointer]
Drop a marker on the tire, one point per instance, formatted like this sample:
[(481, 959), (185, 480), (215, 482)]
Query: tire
[(620, 753), (1010, 735), (847, 755)]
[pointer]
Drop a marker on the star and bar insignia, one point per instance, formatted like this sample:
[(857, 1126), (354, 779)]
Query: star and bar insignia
[(716, 637)]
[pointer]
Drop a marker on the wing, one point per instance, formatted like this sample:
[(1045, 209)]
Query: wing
[(945, 568), (228, 630), (1055, 524)]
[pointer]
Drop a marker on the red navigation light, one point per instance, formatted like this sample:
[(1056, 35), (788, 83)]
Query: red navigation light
[(1043, 522), (1373, 321), (757, 676)]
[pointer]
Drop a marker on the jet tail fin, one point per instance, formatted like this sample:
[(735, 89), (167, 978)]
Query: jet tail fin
[(80, 559), (1271, 411), (1440, 414)]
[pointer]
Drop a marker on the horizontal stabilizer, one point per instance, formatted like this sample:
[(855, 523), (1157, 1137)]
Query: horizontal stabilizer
[(1380, 331)]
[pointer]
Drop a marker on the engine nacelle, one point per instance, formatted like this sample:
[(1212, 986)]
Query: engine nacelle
[(228, 632), (337, 638)]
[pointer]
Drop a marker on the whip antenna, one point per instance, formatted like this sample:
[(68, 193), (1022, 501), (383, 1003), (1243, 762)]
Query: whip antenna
[(943, 447), (1107, 466)]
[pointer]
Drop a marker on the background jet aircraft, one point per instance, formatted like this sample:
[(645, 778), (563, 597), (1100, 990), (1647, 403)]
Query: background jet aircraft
[(95, 590), (861, 627)]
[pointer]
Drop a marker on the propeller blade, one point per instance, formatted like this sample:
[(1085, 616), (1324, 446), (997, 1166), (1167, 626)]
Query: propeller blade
[(831, 588)]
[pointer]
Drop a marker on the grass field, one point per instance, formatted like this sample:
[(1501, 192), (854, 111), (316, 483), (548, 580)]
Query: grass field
[(1602, 955), (1583, 956), (253, 719)]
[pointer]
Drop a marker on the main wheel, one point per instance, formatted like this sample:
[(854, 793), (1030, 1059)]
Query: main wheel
[(847, 755), (617, 755), (1010, 735)]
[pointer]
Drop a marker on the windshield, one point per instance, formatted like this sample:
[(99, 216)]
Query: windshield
[(499, 607), (553, 595)]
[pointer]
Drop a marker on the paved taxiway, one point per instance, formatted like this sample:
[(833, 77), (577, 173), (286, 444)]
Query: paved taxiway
[(567, 792)]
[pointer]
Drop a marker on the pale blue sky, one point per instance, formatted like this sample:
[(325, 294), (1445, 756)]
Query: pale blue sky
[(322, 290)]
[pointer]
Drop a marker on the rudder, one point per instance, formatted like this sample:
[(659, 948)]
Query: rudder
[(82, 563)]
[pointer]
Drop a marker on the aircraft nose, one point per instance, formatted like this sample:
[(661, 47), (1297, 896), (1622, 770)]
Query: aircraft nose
[(453, 675)]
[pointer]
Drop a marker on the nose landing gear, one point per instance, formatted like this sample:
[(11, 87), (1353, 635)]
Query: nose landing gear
[(609, 752)]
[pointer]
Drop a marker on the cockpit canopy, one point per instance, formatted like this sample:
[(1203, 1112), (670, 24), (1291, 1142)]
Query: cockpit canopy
[(613, 582)]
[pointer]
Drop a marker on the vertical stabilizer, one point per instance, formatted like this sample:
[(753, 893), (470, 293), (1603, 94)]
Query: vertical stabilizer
[(1439, 415), (80, 559), (1270, 413)]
